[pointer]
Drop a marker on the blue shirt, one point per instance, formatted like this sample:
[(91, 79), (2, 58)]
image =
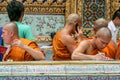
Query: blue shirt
[(1, 43)]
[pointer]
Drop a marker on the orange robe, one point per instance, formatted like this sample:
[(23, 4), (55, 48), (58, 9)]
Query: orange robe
[(18, 54), (110, 50), (60, 50), (118, 51)]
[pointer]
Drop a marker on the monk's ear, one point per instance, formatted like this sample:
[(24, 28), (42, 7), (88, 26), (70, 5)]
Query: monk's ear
[(11, 33)]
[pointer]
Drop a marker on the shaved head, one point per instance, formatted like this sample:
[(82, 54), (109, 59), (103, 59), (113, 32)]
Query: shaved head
[(72, 18), (99, 23), (9, 32), (104, 32), (12, 27)]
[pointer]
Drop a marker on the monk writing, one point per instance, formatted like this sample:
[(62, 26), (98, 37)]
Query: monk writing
[(86, 48), (111, 49)]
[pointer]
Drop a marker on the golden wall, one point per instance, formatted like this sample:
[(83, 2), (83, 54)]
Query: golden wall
[(61, 8), (70, 6)]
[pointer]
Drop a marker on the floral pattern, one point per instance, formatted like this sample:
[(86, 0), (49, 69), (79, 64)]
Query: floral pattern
[(40, 24)]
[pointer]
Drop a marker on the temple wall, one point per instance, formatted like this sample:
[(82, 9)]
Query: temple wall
[(60, 70), (46, 16), (41, 25)]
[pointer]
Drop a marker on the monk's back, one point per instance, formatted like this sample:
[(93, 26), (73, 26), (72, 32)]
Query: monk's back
[(60, 50)]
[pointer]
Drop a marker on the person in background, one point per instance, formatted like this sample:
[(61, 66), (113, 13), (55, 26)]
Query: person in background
[(87, 48), (1, 43), (114, 24), (19, 49), (15, 10), (99, 23), (111, 49), (63, 42)]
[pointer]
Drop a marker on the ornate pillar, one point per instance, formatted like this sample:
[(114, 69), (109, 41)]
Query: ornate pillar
[(111, 7), (79, 7), (108, 9), (70, 7)]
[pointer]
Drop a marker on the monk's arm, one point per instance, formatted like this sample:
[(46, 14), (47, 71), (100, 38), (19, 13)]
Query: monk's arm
[(35, 52), (32, 49), (79, 52), (70, 43)]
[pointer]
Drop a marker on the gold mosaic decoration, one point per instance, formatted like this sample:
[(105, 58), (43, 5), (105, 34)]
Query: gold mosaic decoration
[(60, 8), (111, 7), (66, 8), (38, 7)]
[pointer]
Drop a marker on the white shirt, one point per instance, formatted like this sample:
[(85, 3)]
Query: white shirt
[(113, 30)]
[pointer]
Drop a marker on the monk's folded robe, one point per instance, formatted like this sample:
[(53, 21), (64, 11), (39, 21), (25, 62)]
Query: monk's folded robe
[(18, 54), (110, 50), (60, 50), (118, 51)]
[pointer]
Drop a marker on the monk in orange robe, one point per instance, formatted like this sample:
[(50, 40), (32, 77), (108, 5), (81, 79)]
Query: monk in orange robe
[(19, 49), (63, 42), (111, 48), (61, 51), (87, 49), (18, 54)]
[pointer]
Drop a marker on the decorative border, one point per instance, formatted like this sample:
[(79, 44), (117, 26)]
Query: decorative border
[(70, 7), (84, 62), (60, 7), (108, 9), (39, 7), (60, 68), (111, 6)]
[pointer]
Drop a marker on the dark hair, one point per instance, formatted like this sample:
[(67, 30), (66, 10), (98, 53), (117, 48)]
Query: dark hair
[(116, 14), (52, 34), (15, 9)]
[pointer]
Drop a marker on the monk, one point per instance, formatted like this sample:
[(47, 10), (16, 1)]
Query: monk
[(19, 49), (111, 49), (86, 48), (118, 51), (63, 42)]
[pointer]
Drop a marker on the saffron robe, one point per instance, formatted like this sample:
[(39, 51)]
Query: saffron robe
[(118, 51), (19, 54), (109, 51), (60, 50)]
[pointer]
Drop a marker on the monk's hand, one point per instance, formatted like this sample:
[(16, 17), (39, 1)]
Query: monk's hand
[(106, 58), (18, 43), (79, 34), (100, 56)]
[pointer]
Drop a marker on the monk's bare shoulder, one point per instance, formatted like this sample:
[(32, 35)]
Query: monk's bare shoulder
[(85, 43), (67, 39)]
